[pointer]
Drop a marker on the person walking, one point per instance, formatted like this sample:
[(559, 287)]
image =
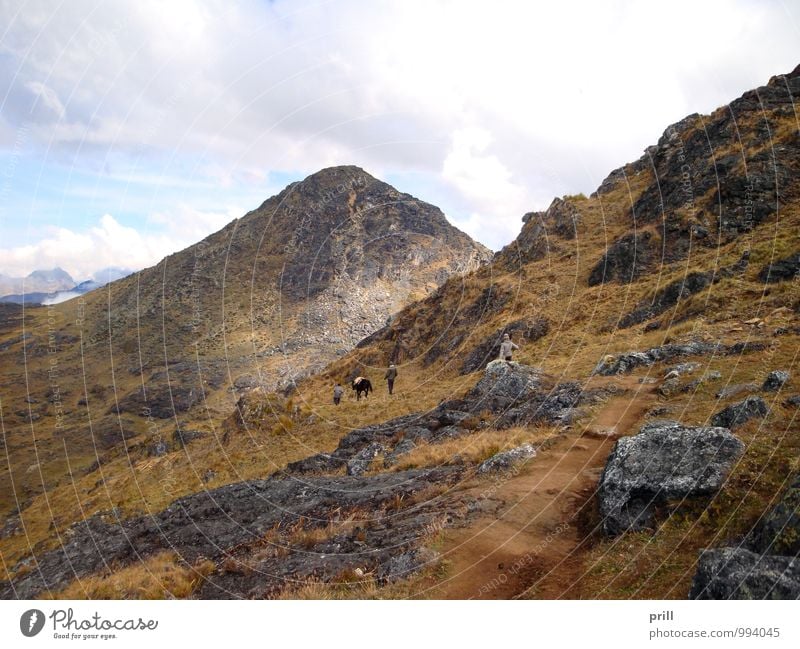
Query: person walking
[(507, 348), (391, 375), (338, 391)]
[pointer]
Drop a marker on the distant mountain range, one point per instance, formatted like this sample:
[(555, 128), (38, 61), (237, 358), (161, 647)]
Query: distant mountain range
[(53, 286)]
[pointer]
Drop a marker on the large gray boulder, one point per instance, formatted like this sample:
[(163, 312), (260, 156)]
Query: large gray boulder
[(736, 573), (505, 384), (665, 461), (737, 414)]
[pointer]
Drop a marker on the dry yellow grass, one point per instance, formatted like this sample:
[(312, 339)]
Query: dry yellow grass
[(159, 577), (474, 448)]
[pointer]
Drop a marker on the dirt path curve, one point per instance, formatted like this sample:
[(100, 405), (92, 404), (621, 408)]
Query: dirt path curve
[(533, 546)]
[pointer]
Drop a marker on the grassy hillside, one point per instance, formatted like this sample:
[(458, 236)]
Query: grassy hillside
[(716, 199)]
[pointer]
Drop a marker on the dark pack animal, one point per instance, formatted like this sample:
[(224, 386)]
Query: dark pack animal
[(361, 385)]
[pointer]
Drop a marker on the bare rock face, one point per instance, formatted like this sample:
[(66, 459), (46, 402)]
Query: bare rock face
[(697, 197), (220, 523), (542, 232), (665, 461), (624, 363), (626, 260)]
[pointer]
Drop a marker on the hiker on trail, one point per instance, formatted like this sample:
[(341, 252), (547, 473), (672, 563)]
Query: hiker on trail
[(391, 375), (338, 391), (507, 348)]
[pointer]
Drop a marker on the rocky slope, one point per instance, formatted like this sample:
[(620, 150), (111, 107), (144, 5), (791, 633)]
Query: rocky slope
[(270, 298), (663, 310)]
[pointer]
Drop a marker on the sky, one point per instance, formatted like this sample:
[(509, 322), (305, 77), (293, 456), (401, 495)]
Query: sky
[(129, 131)]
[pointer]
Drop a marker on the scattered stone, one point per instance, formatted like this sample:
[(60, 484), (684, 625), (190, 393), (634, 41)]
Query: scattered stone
[(505, 460), (11, 527), (670, 386), (665, 461), (659, 411), (775, 380), (246, 382), (734, 390), (158, 449), (737, 573), (624, 363), (609, 433), (183, 437), (685, 368), (712, 375), (745, 347), (738, 413)]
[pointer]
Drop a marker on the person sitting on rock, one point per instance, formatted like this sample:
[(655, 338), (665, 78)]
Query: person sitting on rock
[(507, 348), (391, 375), (338, 391)]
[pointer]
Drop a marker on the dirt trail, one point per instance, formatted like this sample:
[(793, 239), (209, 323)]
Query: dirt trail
[(533, 546)]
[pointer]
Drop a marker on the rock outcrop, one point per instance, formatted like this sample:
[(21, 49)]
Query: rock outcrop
[(232, 521), (624, 363), (689, 183), (627, 259)]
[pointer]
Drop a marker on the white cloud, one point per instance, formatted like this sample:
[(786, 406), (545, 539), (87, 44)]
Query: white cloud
[(47, 96), (190, 224), (487, 185), (502, 104), (108, 243)]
